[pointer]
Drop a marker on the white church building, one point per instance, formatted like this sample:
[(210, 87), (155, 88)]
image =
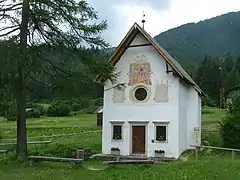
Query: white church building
[(158, 109)]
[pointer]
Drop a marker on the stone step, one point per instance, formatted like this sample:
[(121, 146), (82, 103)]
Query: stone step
[(130, 162), (133, 158)]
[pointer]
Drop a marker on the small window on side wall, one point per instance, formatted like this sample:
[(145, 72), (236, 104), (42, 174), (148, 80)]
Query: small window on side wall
[(161, 133), (117, 132)]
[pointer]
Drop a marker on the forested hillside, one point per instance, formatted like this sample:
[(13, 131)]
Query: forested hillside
[(215, 37), (54, 72)]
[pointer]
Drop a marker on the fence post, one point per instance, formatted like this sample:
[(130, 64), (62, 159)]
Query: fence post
[(94, 136), (233, 153), (196, 153)]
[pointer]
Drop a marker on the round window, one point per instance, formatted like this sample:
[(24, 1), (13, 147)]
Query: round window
[(141, 94)]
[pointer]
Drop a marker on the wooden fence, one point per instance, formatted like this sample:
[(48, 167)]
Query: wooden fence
[(217, 148), (58, 135), (33, 142)]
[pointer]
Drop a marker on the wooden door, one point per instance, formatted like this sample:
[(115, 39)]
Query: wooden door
[(138, 139)]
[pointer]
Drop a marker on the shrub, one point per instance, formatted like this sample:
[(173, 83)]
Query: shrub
[(11, 112), (97, 102), (90, 110), (36, 107), (29, 105), (33, 114), (36, 114), (58, 109), (207, 111), (40, 109), (84, 102), (211, 138), (75, 106), (207, 101), (3, 108), (86, 105), (1, 136), (59, 150), (230, 126)]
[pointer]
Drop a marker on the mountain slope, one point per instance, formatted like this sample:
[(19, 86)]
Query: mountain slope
[(215, 37)]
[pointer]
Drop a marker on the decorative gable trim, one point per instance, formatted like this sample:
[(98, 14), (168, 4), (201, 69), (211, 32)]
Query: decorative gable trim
[(176, 67)]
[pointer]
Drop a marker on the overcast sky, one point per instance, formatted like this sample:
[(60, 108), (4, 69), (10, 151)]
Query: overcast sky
[(161, 15)]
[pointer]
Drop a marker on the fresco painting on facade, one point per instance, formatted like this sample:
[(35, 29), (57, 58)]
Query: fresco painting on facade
[(140, 72)]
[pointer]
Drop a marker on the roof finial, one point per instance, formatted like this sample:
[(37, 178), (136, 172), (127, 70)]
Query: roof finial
[(143, 20)]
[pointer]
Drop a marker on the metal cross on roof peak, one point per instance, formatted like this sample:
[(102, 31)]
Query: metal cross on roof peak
[(143, 20)]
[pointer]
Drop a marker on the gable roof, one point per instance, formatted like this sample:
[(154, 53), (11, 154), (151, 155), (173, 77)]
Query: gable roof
[(135, 29)]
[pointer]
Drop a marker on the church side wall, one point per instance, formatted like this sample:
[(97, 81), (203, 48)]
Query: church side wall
[(183, 106), (189, 117), (193, 118)]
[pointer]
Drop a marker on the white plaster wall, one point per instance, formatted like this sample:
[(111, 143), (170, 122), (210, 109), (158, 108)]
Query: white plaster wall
[(139, 39), (147, 112), (189, 116), (183, 105), (199, 123), (193, 117)]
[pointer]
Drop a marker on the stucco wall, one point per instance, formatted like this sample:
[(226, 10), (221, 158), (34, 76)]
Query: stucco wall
[(193, 117), (183, 105), (189, 116)]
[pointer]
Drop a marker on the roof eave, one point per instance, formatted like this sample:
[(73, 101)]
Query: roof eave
[(126, 41)]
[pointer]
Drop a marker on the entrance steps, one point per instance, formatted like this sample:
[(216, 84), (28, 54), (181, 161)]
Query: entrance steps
[(129, 162), (132, 159)]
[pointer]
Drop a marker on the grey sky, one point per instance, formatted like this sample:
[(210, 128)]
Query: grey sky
[(117, 19), (161, 15)]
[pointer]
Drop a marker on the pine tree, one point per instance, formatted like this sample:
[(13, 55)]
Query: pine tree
[(59, 24), (208, 77)]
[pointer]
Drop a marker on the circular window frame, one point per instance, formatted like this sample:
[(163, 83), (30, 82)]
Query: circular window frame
[(133, 91)]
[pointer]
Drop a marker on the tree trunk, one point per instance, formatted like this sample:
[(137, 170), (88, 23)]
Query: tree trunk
[(21, 111), (222, 98), (21, 117)]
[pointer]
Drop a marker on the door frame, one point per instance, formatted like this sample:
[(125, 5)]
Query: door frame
[(145, 124)]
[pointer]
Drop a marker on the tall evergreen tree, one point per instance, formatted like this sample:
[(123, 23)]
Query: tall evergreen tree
[(228, 77), (208, 78), (59, 24)]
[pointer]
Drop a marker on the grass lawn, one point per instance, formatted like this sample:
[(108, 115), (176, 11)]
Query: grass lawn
[(211, 118), (51, 125), (210, 126), (195, 170), (210, 165)]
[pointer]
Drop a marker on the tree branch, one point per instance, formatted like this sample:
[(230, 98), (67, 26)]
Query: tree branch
[(54, 67), (40, 81), (8, 17), (11, 8), (12, 31), (58, 69), (9, 27)]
